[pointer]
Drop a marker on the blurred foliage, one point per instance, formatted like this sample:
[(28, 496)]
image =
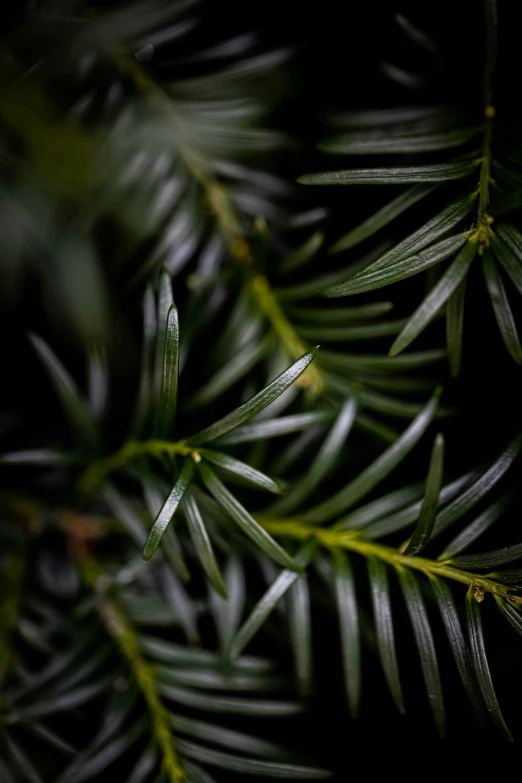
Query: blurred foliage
[(221, 487)]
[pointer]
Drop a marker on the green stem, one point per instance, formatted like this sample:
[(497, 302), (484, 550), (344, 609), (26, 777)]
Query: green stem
[(292, 344), (96, 472), (353, 542), (123, 633), (485, 169)]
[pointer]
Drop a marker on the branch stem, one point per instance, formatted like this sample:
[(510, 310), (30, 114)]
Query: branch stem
[(97, 471), (354, 542), (292, 344), (122, 632)]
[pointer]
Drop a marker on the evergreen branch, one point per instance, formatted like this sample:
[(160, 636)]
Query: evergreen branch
[(97, 471), (221, 207), (121, 630), (169, 186), (216, 193), (353, 542)]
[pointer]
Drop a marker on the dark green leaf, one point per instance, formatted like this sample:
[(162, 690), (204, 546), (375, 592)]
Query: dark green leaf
[(304, 290), (406, 516), (166, 411), (272, 428), (376, 428), (195, 774), (246, 766), (171, 548), (150, 609), (377, 276), (168, 509), (382, 507), (202, 545), (507, 576), (74, 405), (479, 525), (507, 246), (122, 509), (244, 520), (379, 143), (293, 451), (336, 361), (243, 471), (465, 502), (391, 406), (347, 610), (82, 671), (425, 645), (458, 643), (512, 615), (98, 381), (44, 733), (382, 611), (62, 702), (436, 172), (146, 380), (228, 738), (302, 254), (348, 333), (324, 462), (501, 307), (487, 560), (113, 719), (454, 326), (376, 118), (423, 530), (228, 704), (179, 656), (239, 365), (446, 286), (181, 604), (256, 404), (417, 36), (382, 217), (435, 229), (155, 490), (98, 762), (227, 614), (36, 457), (144, 766), (212, 680), (300, 626), (377, 471), (266, 604), (480, 662), (22, 761), (165, 301), (338, 315), (393, 383)]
